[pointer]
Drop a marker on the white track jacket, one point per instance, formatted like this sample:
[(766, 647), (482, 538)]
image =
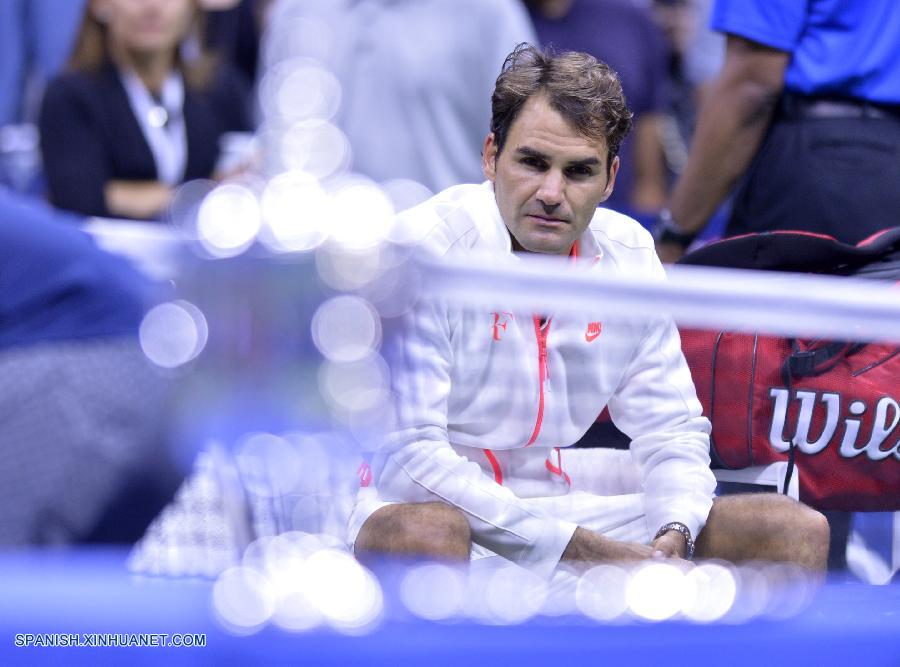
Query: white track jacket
[(485, 398)]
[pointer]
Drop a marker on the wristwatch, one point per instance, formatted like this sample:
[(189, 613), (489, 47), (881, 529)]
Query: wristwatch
[(665, 230), (685, 533)]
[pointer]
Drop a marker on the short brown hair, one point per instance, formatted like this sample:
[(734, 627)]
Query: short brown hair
[(584, 90)]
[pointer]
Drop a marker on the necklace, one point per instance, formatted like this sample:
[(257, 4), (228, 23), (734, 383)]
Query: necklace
[(157, 116)]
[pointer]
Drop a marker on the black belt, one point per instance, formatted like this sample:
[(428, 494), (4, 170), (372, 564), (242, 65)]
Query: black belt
[(796, 107)]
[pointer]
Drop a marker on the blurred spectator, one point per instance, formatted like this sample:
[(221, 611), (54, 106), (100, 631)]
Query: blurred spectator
[(694, 60), (139, 113), (416, 77), (624, 36), (806, 110), (705, 48), (36, 37), (233, 30), (82, 457), (35, 40)]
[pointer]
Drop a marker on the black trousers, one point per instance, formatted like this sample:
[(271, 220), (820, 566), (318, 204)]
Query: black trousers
[(833, 175)]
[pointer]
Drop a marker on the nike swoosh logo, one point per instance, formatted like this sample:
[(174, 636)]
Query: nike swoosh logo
[(590, 336)]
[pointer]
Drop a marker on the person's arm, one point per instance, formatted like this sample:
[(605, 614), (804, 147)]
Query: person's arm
[(656, 406), (75, 163), (730, 128), (136, 199), (587, 546)]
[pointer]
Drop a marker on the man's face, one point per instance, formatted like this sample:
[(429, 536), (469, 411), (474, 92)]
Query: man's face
[(548, 180)]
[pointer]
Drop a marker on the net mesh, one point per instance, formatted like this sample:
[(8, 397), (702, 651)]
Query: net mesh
[(306, 370)]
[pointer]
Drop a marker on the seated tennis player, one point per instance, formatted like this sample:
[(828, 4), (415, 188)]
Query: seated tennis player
[(485, 399)]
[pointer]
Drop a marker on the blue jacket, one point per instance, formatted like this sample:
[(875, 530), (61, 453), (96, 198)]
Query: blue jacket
[(56, 284)]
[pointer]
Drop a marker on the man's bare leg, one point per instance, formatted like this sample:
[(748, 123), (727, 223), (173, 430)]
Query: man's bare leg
[(764, 527), (745, 527), (418, 530)]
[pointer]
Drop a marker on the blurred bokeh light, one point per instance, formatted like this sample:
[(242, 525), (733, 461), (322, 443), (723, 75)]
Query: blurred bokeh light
[(228, 220), (346, 329), (173, 333)]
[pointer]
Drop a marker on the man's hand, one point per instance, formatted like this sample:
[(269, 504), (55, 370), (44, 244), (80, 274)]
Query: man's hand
[(671, 544), (586, 546)]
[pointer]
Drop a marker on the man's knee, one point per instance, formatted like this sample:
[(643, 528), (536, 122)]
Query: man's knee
[(799, 534), (812, 527), (424, 530), (765, 526)]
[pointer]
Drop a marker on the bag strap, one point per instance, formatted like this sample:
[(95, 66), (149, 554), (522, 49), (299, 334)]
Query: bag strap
[(806, 363), (787, 377)]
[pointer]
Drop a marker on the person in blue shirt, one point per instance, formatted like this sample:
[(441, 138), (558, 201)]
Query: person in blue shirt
[(83, 455), (804, 116)]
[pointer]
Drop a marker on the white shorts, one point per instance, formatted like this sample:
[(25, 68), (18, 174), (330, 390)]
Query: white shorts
[(603, 492), (619, 517)]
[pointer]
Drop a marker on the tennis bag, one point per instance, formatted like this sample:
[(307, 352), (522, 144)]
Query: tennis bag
[(833, 407)]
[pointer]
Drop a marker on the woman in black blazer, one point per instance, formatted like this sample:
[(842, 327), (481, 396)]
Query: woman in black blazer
[(133, 118)]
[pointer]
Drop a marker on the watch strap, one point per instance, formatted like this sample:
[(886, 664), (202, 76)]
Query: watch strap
[(685, 533), (666, 230)]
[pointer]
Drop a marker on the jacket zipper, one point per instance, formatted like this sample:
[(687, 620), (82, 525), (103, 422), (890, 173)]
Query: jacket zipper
[(543, 370), (542, 374)]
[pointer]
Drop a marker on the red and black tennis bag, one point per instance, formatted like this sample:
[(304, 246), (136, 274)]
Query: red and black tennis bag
[(831, 407)]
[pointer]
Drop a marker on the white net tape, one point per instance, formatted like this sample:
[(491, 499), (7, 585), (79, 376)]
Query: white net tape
[(775, 303)]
